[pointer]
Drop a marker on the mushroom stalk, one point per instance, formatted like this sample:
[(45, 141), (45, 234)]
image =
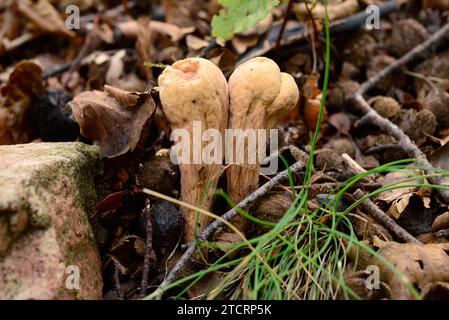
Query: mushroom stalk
[(260, 96), (194, 97)]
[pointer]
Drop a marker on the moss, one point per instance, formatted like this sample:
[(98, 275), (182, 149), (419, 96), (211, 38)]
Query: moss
[(86, 174)]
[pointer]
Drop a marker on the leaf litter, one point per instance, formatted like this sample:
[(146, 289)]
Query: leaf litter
[(110, 82)]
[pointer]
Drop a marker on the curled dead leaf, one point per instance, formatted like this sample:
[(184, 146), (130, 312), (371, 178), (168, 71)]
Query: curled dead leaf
[(422, 265), (44, 17), (113, 119), (24, 83), (311, 95)]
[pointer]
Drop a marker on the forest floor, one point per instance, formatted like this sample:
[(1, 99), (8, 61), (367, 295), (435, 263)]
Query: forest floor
[(361, 213)]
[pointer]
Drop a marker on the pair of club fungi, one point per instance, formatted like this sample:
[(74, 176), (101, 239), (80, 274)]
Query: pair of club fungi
[(257, 96)]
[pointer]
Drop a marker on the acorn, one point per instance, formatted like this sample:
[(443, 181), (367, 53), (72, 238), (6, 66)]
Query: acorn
[(385, 106), (437, 101), (406, 35)]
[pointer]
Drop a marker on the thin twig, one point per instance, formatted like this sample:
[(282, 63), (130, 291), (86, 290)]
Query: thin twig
[(299, 32), (407, 145), (91, 43), (378, 215), (215, 225), (404, 141), (117, 286), (284, 23), (353, 166), (148, 248), (374, 211), (433, 41)]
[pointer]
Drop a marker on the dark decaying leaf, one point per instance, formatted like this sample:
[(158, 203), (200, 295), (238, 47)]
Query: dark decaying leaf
[(424, 266), (341, 121), (43, 16), (127, 252), (24, 84), (50, 119), (113, 119), (440, 158)]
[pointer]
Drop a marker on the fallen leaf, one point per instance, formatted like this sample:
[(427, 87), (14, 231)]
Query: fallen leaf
[(110, 204), (206, 284), (24, 83), (440, 157), (144, 47), (341, 121), (111, 120), (116, 66), (436, 4), (409, 205), (399, 205), (241, 44), (173, 31), (335, 11), (311, 95), (127, 252), (441, 222), (44, 17), (227, 240), (422, 265), (195, 43), (395, 194)]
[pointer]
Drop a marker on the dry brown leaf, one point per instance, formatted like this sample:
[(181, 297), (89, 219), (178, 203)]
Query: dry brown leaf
[(116, 66), (335, 11), (394, 194), (195, 43), (224, 58), (206, 284), (422, 265), (24, 83), (241, 44), (144, 47), (399, 205), (311, 95), (402, 197), (126, 98), (226, 240), (341, 121), (173, 31), (44, 17), (436, 4), (441, 222), (440, 157), (111, 120)]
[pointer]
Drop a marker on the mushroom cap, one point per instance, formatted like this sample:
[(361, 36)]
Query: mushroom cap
[(259, 90), (194, 89)]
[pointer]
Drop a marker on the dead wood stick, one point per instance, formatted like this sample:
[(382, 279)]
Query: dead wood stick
[(385, 220), (404, 141), (215, 225), (284, 23), (148, 248), (434, 40), (407, 145), (117, 286), (375, 212), (299, 32)]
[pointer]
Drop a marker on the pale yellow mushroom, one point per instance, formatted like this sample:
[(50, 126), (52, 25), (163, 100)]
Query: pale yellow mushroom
[(260, 96), (195, 90)]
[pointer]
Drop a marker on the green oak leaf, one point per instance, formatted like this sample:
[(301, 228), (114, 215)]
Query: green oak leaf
[(240, 15)]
